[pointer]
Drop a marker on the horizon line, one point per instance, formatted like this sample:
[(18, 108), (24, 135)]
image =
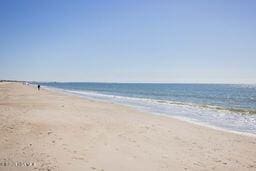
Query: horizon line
[(117, 82)]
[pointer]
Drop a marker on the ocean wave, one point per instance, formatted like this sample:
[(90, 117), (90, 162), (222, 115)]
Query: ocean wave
[(169, 102)]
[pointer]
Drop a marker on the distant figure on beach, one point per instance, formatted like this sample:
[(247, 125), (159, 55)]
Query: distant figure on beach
[(38, 87)]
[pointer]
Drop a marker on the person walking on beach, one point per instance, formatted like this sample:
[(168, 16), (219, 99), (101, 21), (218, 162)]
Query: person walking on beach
[(38, 87)]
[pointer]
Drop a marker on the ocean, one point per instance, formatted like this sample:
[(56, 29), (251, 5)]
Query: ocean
[(224, 106)]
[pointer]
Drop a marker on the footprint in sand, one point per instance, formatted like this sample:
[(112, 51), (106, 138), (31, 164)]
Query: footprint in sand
[(78, 158)]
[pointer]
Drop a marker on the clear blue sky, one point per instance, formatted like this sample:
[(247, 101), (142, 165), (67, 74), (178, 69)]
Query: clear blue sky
[(195, 41)]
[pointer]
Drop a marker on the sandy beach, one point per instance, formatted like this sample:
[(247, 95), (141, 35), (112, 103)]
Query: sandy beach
[(48, 130)]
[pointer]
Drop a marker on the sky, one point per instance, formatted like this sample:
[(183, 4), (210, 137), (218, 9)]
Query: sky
[(169, 41)]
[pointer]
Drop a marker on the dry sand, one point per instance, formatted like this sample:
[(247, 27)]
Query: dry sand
[(55, 131)]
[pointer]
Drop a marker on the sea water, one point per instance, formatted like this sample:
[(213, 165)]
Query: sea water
[(231, 107)]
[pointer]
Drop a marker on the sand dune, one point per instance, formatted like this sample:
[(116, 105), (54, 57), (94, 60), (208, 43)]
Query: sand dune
[(52, 131)]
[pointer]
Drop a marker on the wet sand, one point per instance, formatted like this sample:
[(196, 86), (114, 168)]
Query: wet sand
[(54, 131)]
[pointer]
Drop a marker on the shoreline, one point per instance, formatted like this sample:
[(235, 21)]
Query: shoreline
[(184, 119), (58, 131)]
